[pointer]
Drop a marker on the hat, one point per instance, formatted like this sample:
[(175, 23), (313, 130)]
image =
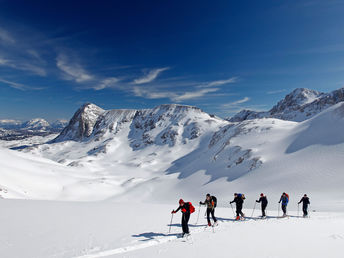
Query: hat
[(261, 194), (181, 201)]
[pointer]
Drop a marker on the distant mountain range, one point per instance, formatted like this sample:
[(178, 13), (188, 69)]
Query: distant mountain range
[(14, 129)]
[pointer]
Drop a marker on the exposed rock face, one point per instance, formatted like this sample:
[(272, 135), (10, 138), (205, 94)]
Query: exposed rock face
[(165, 124), (82, 123), (299, 105)]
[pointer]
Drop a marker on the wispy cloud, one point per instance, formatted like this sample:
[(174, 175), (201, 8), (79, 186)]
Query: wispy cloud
[(235, 106), (6, 37), (106, 83), (72, 70), (276, 91), (18, 86), (222, 82), (236, 103), (22, 65), (194, 94), (150, 93), (14, 85), (150, 76)]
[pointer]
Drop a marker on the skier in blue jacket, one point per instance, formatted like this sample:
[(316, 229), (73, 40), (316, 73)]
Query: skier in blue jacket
[(284, 199)]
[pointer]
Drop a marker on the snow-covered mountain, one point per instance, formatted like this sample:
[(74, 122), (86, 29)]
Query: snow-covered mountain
[(174, 150), (35, 124), (17, 130), (299, 105)]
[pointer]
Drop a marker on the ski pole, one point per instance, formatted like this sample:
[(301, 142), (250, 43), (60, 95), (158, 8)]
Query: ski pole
[(169, 231), (232, 209), (199, 210), (309, 211), (253, 208)]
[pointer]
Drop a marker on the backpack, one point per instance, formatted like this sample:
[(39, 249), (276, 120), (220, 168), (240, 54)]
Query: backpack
[(214, 199), (242, 196), (191, 207), (287, 196)]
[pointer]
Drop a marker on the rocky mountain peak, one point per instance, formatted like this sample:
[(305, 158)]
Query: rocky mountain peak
[(82, 123)]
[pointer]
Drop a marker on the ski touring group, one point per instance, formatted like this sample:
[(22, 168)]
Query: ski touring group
[(210, 203)]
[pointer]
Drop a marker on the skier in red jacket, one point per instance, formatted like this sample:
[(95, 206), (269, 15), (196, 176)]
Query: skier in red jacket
[(186, 209)]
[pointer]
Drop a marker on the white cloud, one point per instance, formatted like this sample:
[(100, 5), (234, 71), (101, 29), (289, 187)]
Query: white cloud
[(23, 65), (152, 94), (276, 91), (240, 101), (3, 61), (222, 82), (74, 71), (177, 97), (14, 85), (150, 76), (236, 105), (194, 94), (6, 37), (106, 83)]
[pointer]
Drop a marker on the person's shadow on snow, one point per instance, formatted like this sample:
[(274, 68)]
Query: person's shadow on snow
[(152, 235)]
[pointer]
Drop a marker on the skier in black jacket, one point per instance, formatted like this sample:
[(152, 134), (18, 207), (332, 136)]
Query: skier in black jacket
[(185, 209), (239, 201), (210, 202), (264, 202), (305, 202)]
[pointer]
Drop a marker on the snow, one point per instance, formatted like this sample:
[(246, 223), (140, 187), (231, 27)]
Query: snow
[(162, 151), (110, 229), (299, 105), (107, 185)]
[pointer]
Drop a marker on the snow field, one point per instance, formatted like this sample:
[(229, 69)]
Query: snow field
[(109, 229)]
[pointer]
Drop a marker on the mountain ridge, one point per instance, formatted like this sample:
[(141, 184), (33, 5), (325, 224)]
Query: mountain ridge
[(299, 105)]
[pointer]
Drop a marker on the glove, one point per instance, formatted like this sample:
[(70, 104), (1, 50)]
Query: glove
[(200, 203), (183, 210), (173, 212)]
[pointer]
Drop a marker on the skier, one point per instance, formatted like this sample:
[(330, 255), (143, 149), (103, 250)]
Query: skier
[(264, 202), (186, 209), (239, 201), (210, 202), (284, 199), (305, 202)]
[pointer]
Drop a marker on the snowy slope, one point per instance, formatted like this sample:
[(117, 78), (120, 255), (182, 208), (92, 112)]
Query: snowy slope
[(40, 229), (161, 154)]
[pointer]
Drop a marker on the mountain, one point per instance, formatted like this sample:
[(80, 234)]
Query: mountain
[(59, 124), (175, 150), (10, 124), (299, 105), (17, 130), (35, 124)]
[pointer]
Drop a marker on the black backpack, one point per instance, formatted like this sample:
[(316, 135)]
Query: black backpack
[(214, 199)]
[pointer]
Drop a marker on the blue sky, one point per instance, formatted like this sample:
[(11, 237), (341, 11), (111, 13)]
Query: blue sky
[(221, 56)]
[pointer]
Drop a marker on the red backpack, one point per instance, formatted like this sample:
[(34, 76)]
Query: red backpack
[(192, 208)]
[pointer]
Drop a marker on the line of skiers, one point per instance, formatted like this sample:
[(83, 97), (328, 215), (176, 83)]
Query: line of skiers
[(211, 202)]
